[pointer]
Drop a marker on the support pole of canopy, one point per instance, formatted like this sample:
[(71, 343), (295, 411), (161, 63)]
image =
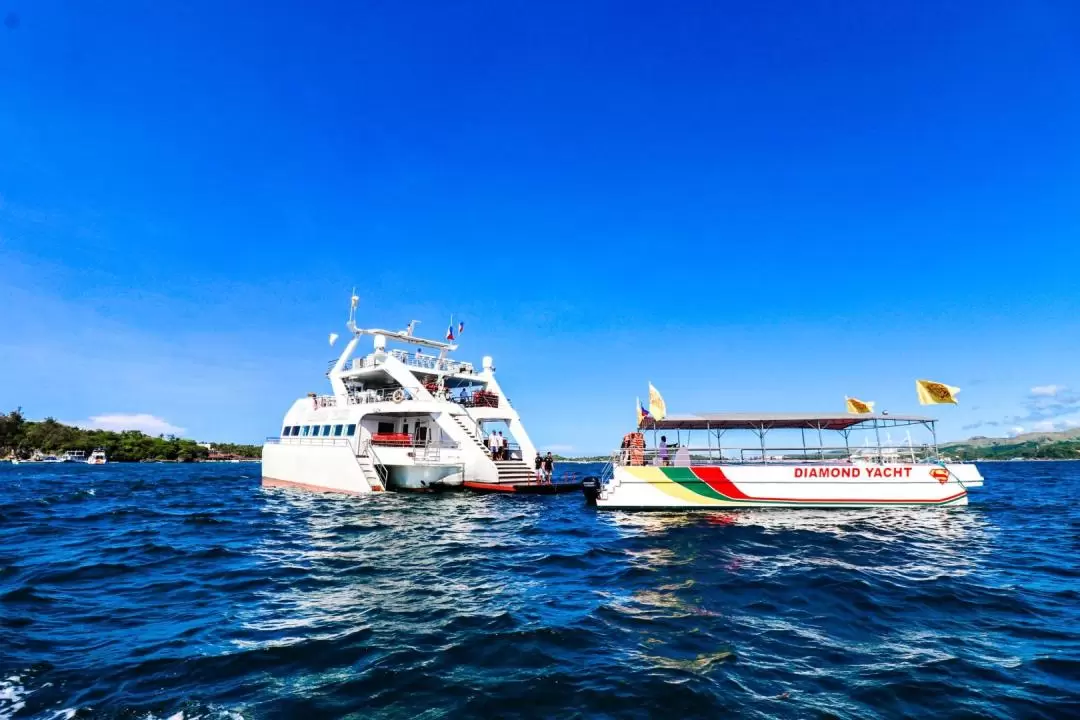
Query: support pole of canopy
[(820, 442), (802, 433), (847, 443), (708, 440), (761, 435), (877, 434)]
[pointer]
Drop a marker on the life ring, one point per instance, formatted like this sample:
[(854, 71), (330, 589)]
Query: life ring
[(398, 395)]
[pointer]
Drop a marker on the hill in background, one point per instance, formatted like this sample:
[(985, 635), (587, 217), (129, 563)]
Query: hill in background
[(1064, 445)]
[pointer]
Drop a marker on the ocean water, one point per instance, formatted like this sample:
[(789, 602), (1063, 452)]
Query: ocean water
[(184, 591)]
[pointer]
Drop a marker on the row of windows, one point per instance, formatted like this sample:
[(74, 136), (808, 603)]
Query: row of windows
[(318, 430)]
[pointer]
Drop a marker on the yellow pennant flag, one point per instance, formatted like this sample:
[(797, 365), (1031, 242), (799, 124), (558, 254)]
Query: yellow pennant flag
[(935, 393), (858, 407), (657, 408)]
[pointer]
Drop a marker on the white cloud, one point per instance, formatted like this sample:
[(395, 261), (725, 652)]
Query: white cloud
[(1018, 430), (1044, 426), (147, 423), (1047, 390)]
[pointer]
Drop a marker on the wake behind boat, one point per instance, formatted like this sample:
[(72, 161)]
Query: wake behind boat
[(407, 418), (668, 474)]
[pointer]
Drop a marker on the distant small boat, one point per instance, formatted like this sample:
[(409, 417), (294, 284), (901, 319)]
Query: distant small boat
[(78, 456), (97, 458), (42, 458)]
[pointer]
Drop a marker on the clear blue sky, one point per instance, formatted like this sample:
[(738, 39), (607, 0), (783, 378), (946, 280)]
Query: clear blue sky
[(754, 205)]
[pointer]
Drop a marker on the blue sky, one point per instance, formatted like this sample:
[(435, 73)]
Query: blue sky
[(754, 205)]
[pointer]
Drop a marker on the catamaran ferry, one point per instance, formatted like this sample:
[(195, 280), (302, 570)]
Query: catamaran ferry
[(406, 418), (667, 473)]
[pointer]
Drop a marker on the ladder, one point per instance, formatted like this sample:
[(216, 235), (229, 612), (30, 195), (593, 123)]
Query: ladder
[(365, 458)]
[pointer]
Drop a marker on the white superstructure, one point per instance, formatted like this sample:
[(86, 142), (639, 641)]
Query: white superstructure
[(406, 416)]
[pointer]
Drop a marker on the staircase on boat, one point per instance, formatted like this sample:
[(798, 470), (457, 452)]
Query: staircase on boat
[(366, 460), (470, 431), (514, 471)]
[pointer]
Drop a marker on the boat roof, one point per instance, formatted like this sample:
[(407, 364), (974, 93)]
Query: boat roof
[(777, 421)]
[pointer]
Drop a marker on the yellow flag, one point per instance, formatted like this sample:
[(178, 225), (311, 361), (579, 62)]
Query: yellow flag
[(657, 408), (935, 393), (858, 407)]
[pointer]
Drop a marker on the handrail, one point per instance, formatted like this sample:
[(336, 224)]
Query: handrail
[(319, 441), (364, 397), (423, 362), (777, 455)]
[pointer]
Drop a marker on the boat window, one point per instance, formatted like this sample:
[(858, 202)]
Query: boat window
[(337, 430), (326, 430), (386, 428), (295, 429), (352, 430), (306, 428), (285, 431)]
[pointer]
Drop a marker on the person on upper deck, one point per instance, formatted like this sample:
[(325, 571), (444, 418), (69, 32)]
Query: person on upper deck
[(549, 467), (539, 466), (662, 451)]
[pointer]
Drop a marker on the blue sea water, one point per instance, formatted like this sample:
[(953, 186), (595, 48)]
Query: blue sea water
[(184, 591)]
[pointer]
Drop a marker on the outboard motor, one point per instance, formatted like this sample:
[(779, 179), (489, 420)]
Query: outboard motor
[(591, 487)]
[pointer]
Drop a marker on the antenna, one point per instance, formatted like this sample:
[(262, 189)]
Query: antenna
[(353, 302)]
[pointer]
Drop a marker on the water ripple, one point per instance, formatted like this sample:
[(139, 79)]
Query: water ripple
[(178, 592)]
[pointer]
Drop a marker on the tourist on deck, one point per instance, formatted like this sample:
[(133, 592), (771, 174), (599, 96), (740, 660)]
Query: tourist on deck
[(493, 445), (539, 467), (549, 467), (663, 451), (502, 447)]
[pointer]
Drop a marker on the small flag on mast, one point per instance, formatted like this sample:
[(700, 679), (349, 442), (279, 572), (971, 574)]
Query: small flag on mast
[(642, 413), (333, 339), (935, 393), (657, 408), (460, 327), (858, 407), (450, 330)]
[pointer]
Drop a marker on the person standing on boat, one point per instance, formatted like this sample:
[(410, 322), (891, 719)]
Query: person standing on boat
[(493, 445), (549, 467), (539, 467), (503, 454), (663, 452)]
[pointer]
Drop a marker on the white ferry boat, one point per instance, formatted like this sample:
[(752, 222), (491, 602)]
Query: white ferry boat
[(406, 418), (97, 457), (672, 472)]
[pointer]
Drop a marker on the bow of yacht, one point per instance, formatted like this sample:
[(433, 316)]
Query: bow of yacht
[(403, 416)]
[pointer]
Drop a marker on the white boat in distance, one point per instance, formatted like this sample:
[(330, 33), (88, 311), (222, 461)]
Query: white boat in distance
[(97, 457), (408, 418), (721, 475)]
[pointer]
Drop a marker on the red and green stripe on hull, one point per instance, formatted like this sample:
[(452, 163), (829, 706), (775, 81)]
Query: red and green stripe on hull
[(710, 486)]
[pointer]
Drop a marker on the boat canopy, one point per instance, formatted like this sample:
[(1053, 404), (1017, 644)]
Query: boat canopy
[(782, 421)]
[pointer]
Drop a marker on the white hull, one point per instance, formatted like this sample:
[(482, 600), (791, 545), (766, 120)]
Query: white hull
[(840, 485), (333, 468)]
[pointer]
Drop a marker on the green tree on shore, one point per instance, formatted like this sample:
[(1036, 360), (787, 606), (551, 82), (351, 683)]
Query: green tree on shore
[(21, 437)]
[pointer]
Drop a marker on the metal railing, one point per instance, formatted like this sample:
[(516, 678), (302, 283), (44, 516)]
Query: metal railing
[(414, 443), (676, 455), (363, 397), (317, 441)]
